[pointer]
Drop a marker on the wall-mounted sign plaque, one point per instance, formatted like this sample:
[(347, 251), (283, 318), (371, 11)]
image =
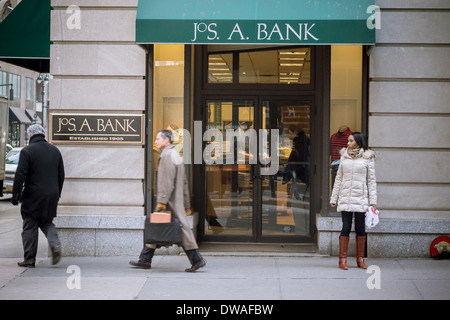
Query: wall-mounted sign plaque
[(96, 128)]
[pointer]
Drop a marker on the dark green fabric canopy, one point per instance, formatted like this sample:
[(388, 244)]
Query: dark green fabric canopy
[(255, 21), (25, 32)]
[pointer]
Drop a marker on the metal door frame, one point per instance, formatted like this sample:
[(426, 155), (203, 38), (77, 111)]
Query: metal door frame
[(257, 181)]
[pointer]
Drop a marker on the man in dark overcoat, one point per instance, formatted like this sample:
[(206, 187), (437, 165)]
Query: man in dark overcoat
[(38, 181)]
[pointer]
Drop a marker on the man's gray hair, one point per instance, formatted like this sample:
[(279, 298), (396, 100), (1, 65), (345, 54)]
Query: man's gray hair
[(35, 129), (166, 134)]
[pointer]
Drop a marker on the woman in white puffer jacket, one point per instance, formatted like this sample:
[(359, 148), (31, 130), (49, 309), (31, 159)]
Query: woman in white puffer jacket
[(355, 188)]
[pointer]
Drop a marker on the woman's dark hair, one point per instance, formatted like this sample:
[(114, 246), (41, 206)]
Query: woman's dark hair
[(360, 140)]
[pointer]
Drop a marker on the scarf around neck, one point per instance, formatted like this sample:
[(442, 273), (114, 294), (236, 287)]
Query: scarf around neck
[(353, 152)]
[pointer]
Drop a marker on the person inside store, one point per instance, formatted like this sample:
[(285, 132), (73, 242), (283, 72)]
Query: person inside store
[(354, 189), (298, 161), (172, 194)]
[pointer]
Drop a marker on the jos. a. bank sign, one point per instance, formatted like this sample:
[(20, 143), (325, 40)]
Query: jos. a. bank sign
[(256, 32), (97, 128), (257, 21), (259, 31)]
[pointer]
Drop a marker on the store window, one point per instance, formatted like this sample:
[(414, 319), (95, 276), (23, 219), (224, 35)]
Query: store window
[(14, 134), (345, 100), (275, 66), (227, 64), (168, 94), (15, 80), (29, 85), (220, 68), (3, 87)]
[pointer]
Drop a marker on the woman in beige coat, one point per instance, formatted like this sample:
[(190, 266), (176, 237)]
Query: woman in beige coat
[(354, 189)]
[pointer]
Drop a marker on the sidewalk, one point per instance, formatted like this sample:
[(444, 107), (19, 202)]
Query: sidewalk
[(226, 277), (253, 275)]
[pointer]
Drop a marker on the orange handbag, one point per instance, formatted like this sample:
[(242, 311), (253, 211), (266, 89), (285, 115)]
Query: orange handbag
[(161, 217)]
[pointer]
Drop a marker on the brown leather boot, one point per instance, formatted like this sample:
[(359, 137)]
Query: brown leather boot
[(343, 246), (360, 246)]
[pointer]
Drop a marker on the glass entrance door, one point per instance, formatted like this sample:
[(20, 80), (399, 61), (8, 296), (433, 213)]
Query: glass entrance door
[(285, 198), (229, 174), (246, 199)]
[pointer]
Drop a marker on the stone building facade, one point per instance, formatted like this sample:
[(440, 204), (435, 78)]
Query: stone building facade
[(99, 69)]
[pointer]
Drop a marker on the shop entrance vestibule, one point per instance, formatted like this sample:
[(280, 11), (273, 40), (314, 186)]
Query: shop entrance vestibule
[(260, 73), (257, 113), (266, 94), (251, 192)]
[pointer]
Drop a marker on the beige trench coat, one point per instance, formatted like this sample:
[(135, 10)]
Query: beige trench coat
[(173, 190)]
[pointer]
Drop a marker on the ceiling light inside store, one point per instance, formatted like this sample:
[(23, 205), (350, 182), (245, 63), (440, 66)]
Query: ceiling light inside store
[(293, 52), (282, 64), (296, 53), (293, 59), (289, 73)]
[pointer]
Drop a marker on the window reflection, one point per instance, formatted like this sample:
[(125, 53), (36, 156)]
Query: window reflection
[(220, 68), (345, 100), (168, 94), (229, 185), (275, 66), (259, 65), (286, 195)]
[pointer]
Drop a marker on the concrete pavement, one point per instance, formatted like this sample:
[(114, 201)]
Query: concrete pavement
[(227, 276), (11, 232)]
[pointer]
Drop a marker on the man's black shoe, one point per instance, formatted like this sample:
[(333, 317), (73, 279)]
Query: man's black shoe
[(25, 264), (56, 255), (196, 266), (140, 264)]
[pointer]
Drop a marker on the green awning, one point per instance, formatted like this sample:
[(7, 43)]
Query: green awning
[(25, 32), (18, 115), (255, 21)]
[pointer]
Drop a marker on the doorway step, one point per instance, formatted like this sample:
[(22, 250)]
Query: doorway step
[(246, 249)]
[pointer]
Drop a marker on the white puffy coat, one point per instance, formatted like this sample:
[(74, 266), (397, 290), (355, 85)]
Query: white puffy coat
[(355, 186)]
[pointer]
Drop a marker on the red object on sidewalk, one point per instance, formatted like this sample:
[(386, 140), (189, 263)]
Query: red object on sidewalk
[(440, 248)]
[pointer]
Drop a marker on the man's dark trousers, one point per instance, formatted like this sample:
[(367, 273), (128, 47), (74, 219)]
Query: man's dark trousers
[(30, 237)]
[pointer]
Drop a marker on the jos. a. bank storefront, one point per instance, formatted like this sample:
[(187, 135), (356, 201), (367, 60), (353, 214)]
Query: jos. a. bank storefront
[(246, 79), (237, 82)]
